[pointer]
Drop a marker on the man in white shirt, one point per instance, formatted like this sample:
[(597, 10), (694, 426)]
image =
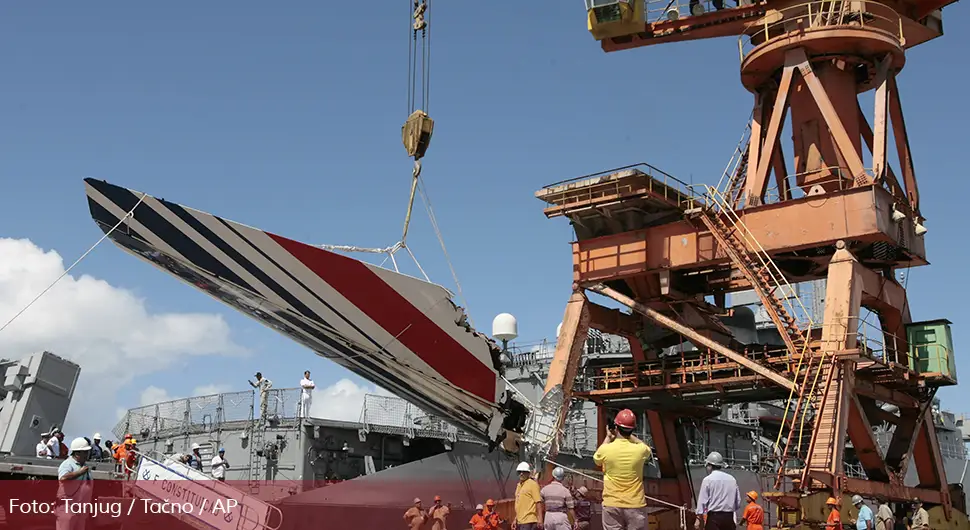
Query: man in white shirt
[(306, 396), (42, 450), (220, 465), (719, 499), (54, 445)]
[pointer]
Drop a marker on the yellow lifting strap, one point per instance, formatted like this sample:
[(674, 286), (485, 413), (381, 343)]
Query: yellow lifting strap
[(416, 134)]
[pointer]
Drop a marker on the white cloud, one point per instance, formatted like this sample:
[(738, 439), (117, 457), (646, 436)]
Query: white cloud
[(152, 395), (342, 400), (208, 390), (107, 330)]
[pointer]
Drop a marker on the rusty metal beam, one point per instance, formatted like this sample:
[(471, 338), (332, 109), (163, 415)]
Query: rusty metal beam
[(565, 360), (902, 145), (883, 490), (612, 321), (755, 189), (695, 337), (569, 345), (857, 214), (832, 119), (879, 159), (867, 136), (866, 447)]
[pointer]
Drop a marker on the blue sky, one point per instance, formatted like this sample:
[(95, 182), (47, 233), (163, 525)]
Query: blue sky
[(288, 118)]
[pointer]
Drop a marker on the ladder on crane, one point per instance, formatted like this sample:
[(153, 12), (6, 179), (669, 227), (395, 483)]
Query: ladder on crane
[(732, 179), (813, 383), (257, 432), (778, 297)]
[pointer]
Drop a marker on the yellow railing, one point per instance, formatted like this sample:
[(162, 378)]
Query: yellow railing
[(931, 354), (816, 15)]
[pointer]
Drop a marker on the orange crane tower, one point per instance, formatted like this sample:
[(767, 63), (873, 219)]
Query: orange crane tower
[(670, 253)]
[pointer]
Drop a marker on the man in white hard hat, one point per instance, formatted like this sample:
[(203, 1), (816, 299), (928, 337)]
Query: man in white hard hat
[(74, 479), (195, 459), (719, 499), (415, 516), (557, 503), (96, 452), (528, 513), (865, 520)]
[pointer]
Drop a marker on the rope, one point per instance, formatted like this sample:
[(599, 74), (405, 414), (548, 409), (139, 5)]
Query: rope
[(68, 270), (441, 240), (683, 509)]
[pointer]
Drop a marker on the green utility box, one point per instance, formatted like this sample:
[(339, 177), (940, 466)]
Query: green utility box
[(931, 350)]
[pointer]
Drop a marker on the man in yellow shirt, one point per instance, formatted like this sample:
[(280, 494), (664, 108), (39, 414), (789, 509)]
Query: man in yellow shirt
[(622, 457), (528, 513)]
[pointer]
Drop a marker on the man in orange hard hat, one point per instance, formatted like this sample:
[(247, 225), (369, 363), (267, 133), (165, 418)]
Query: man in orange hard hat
[(834, 522), (754, 514), (438, 514), (492, 518), (622, 457)]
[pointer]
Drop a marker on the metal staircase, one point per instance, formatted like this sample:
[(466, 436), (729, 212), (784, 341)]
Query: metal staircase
[(821, 448), (777, 296), (807, 404), (732, 180)]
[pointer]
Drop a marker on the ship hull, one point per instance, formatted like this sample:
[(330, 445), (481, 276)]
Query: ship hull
[(399, 332)]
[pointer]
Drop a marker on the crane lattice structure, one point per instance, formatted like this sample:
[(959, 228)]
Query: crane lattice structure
[(661, 247)]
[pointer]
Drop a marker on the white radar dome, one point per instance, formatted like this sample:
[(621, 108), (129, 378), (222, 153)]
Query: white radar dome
[(505, 327), (558, 329)]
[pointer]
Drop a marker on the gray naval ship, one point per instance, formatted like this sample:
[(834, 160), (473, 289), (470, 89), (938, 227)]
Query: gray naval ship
[(370, 470)]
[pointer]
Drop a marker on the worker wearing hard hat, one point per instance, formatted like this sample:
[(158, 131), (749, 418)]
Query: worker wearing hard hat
[(528, 512), (719, 499), (921, 519), (415, 516), (584, 509), (492, 518), (557, 503), (865, 520), (195, 459), (754, 514), (479, 521), (834, 521), (96, 452), (622, 457), (439, 514), (219, 465), (74, 482)]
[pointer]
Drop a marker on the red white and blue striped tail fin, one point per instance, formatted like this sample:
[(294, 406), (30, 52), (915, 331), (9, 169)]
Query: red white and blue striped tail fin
[(399, 332)]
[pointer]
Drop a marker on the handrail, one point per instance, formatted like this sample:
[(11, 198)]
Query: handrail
[(670, 10), (816, 15), (775, 274)]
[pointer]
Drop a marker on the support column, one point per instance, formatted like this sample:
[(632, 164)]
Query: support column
[(843, 300), (565, 361)]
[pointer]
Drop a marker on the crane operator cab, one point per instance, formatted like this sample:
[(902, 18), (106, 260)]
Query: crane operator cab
[(614, 18)]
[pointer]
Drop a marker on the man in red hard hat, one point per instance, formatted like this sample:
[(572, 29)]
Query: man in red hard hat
[(622, 457)]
